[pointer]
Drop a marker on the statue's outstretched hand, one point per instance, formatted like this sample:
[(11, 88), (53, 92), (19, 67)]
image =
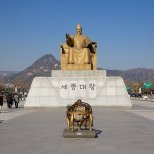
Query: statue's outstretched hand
[(69, 40), (67, 36)]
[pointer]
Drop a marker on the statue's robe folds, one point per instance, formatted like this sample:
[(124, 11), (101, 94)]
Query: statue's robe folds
[(79, 53)]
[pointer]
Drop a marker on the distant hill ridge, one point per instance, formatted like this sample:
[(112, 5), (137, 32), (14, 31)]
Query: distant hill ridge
[(135, 74), (44, 65), (41, 67)]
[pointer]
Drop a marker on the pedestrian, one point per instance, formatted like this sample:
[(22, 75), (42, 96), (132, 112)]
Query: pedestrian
[(9, 100), (16, 100), (1, 102)]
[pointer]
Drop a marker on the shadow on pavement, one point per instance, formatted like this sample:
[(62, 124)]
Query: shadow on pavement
[(98, 132), (1, 121)]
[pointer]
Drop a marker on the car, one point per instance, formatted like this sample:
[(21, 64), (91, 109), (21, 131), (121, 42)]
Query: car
[(139, 95), (145, 97), (132, 95)]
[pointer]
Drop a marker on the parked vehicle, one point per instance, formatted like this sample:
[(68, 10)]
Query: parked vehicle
[(138, 95), (145, 97)]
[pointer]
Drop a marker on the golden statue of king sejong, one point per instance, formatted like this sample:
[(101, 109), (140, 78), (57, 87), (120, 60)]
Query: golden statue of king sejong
[(79, 52)]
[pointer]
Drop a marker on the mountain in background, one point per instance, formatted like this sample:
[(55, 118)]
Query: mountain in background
[(41, 67), (136, 74), (7, 73), (4, 74), (44, 65)]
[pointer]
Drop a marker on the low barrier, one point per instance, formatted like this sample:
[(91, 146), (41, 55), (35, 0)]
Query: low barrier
[(142, 99)]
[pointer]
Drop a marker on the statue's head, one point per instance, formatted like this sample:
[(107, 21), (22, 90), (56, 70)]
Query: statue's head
[(78, 29)]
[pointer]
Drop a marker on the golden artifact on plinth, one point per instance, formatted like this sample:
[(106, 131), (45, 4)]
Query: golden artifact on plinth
[(79, 52), (79, 116)]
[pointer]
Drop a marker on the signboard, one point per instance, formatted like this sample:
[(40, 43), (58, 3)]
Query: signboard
[(147, 85), (81, 88)]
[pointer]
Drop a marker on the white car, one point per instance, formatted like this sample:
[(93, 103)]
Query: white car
[(145, 97)]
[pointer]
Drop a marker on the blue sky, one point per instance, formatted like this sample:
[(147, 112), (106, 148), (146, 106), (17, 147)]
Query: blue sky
[(123, 29)]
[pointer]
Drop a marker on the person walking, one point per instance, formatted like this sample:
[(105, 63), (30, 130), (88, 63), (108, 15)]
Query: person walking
[(1, 102), (9, 100), (16, 100)]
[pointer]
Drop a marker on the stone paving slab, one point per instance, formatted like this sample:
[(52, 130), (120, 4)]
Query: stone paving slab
[(41, 132), (10, 113), (79, 133)]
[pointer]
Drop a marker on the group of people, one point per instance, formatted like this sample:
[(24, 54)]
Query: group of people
[(10, 98)]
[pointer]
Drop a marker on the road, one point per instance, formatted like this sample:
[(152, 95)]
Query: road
[(39, 131)]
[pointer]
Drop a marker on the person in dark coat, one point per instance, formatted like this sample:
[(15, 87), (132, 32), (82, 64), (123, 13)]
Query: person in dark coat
[(9, 100), (1, 101)]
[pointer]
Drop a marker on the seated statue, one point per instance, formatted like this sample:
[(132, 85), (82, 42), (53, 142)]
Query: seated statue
[(79, 52)]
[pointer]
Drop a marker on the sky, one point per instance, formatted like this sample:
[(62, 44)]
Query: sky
[(123, 30)]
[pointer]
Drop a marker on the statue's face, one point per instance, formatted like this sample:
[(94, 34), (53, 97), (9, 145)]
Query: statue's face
[(79, 30)]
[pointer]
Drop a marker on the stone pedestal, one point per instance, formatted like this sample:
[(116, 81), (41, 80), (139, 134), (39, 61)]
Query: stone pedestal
[(79, 134), (65, 87), (79, 67), (81, 73)]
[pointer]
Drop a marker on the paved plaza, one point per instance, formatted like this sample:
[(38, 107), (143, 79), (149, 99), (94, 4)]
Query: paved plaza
[(39, 131)]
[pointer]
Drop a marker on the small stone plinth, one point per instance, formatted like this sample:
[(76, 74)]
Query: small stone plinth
[(79, 134)]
